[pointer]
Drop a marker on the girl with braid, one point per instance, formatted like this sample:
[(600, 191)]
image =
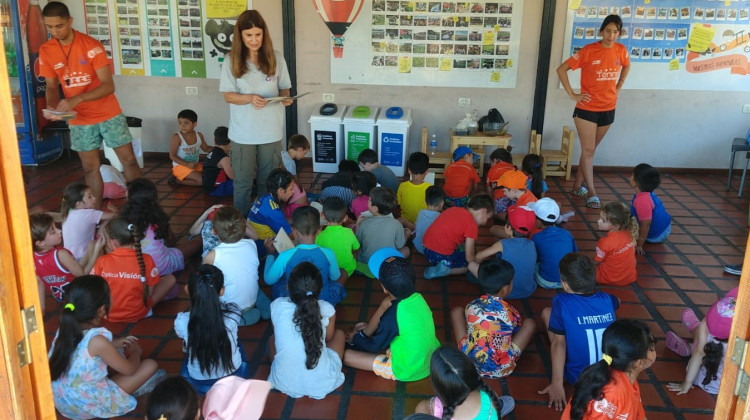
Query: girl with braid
[(132, 275), (461, 392), (307, 348)]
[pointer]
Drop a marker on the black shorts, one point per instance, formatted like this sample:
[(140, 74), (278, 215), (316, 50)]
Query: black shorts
[(600, 118)]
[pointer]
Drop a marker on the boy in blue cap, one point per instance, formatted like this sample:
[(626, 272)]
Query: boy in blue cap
[(461, 179)]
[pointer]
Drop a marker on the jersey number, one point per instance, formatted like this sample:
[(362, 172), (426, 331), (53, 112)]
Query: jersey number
[(594, 339)]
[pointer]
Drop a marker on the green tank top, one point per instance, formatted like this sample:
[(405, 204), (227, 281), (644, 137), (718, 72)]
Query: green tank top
[(412, 348)]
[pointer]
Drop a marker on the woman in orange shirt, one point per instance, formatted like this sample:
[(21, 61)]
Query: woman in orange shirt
[(604, 67)]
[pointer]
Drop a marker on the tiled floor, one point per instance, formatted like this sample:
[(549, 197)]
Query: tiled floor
[(709, 230)]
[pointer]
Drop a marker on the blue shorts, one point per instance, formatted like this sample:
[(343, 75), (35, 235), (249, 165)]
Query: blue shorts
[(456, 202), (455, 260), (502, 204), (661, 237), (544, 282)]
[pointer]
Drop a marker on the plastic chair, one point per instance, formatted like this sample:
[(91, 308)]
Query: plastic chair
[(439, 161), (559, 162), (738, 145)]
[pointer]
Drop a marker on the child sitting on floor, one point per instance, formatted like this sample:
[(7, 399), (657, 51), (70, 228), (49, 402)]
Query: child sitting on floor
[(184, 149), (338, 238), (461, 179), (449, 241), (218, 175), (709, 345), (340, 184), (237, 258), (399, 339), (655, 223), (532, 167), (173, 399), (296, 148), (362, 183), (434, 198), (552, 242), (368, 161), (306, 225), (380, 230), (514, 184), (502, 162), (517, 249), (495, 337), (81, 215), (615, 253), (306, 347), (114, 185), (411, 193), (573, 346), (266, 217)]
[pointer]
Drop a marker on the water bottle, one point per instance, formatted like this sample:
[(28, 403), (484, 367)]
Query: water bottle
[(433, 145)]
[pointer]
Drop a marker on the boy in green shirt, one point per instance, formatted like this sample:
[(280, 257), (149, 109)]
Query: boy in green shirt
[(399, 339), (339, 239)]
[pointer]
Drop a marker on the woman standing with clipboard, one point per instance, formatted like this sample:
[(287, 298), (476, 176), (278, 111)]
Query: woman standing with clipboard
[(252, 72), (604, 67)]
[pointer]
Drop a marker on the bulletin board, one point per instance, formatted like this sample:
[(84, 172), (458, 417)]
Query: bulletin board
[(429, 43), (165, 38), (673, 44)]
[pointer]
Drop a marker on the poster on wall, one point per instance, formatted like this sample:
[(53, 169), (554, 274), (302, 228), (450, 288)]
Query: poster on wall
[(673, 44), (432, 43), (97, 25), (128, 25), (159, 36)]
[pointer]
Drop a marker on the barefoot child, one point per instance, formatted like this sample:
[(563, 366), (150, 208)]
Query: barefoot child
[(184, 148)]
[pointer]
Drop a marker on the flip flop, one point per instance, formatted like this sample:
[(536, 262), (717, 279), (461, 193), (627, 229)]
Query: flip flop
[(582, 192), (677, 344), (593, 203), (689, 319)]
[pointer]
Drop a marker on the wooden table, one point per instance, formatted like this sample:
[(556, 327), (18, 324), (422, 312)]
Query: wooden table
[(477, 143)]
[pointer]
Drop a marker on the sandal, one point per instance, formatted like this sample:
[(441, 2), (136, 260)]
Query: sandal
[(677, 344), (582, 192), (689, 319), (593, 203)]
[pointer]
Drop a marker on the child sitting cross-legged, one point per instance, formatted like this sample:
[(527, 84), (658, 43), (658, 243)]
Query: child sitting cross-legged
[(502, 162), (237, 258), (399, 339), (266, 217), (655, 222), (411, 193), (572, 322), (306, 226), (552, 242), (184, 148), (615, 253), (461, 179), (495, 336), (368, 161), (514, 184), (362, 183), (449, 241), (338, 238), (434, 198), (517, 249), (380, 230), (306, 347)]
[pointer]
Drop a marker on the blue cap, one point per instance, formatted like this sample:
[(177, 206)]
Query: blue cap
[(463, 150), (378, 257)]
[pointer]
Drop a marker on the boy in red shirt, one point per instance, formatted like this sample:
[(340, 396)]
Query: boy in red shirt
[(460, 177), (449, 241)]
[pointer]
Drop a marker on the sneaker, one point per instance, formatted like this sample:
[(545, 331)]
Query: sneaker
[(150, 383), (689, 319), (438, 270), (677, 344), (733, 269), (508, 404)]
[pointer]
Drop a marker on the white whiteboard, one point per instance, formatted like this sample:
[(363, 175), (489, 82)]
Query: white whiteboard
[(473, 52), (663, 29)]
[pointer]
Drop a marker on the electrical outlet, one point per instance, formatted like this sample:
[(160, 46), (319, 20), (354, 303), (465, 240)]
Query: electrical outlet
[(464, 102), (191, 90), (328, 97), (746, 109)]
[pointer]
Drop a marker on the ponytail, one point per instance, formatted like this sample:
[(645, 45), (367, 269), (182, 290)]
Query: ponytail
[(589, 387), (493, 397), (618, 214), (532, 166), (305, 283), (714, 352), (84, 296)]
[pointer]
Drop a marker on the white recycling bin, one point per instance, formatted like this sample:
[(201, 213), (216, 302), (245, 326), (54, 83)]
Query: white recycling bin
[(393, 139), (359, 130), (327, 134)]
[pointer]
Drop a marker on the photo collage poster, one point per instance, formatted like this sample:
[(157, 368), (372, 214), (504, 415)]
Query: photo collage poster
[(667, 40), (167, 38), (434, 43)]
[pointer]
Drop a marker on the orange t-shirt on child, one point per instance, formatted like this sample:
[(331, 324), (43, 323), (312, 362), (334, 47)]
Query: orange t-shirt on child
[(600, 72), (622, 400), (615, 254), (75, 66), (121, 271), (459, 177), (496, 171)]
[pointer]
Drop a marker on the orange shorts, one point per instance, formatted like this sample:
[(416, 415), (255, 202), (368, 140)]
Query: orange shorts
[(382, 367), (181, 172)]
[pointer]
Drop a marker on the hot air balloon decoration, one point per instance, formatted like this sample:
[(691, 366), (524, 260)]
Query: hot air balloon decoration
[(338, 15)]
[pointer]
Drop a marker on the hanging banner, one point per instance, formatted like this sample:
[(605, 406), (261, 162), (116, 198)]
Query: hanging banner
[(192, 57), (128, 24), (160, 38)]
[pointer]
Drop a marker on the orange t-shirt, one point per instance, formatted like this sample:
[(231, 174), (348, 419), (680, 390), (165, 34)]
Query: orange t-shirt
[(600, 71), (615, 254), (621, 400), (496, 171), (526, 198), (75, 66), (459, 177), (120, 269)]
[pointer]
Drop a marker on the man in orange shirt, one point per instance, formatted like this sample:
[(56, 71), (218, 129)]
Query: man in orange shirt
[(80, 62)]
